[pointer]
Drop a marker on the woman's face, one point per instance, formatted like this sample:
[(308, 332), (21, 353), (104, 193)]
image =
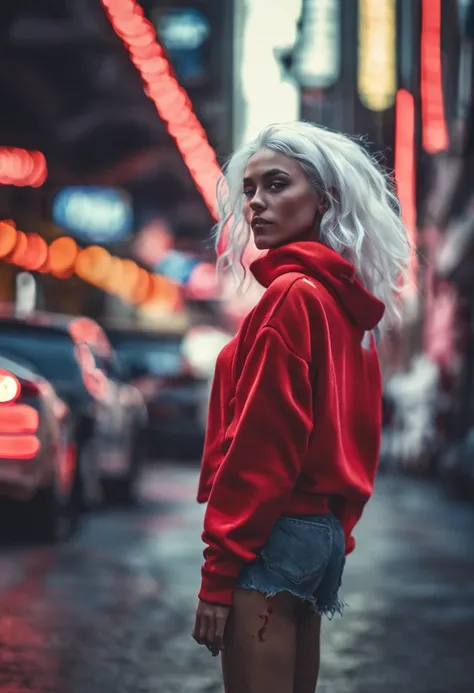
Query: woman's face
[(280, 205)]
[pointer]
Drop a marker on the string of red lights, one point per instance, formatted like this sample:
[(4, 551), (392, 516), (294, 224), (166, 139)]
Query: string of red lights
[(21, 167), (171, 100), (405, 173)]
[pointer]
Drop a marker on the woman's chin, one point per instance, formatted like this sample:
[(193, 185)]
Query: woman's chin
[(261, 243)]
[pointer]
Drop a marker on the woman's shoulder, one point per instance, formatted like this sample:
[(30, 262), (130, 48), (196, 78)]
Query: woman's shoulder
[(292, 307), (293, 292)]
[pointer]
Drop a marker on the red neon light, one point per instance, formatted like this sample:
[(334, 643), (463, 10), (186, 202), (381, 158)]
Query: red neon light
[(18, 418), (19, 447), (21, 167), (171, 100), (434, 131), (405, 164)]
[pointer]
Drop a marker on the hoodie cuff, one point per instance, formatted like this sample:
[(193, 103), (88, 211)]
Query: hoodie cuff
[(218, 590)]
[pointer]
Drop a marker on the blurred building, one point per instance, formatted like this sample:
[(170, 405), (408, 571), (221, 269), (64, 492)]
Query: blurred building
[(82, 84)]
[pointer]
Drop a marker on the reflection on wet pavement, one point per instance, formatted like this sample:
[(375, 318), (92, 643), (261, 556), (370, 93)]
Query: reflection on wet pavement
[(112, 610)]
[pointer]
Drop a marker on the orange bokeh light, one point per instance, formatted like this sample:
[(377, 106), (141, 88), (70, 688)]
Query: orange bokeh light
[(143, 286), (93, 264), (36, 253), (115, 279), (164, 292), (7, 238), (130, 276), (19, 251), (62, 256)]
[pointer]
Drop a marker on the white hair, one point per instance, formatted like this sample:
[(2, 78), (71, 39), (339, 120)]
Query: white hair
[(362, 222)]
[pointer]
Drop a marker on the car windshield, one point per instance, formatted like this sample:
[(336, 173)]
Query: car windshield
[(50, 352), (161, 358)]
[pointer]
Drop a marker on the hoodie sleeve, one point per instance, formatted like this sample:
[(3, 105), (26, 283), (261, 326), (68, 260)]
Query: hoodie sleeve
[(212, 453), (265, 445)]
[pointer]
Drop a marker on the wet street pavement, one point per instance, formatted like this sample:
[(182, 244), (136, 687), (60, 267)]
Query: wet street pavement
[(112, 610)]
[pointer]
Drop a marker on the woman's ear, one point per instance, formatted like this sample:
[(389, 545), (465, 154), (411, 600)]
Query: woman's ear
[(323, 203)]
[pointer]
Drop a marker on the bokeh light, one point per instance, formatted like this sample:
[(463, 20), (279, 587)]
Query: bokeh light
[(7, 238), (21, 167), (62, 256), (18, 253), (171, 101), (93, 265)]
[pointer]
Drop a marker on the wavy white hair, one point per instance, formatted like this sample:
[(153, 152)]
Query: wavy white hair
[(362, 221)]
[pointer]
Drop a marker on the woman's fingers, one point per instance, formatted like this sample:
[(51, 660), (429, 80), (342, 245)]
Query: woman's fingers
[(198, 625), (204, 628), (219, 632), (209, 626), (207, 629)]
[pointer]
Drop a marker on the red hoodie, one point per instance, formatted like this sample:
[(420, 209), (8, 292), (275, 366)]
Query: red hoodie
[(295, 410)]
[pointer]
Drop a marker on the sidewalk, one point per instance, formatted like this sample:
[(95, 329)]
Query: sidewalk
[(409, 626)]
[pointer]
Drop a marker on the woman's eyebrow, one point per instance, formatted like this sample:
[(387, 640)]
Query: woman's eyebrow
[(268, 174)]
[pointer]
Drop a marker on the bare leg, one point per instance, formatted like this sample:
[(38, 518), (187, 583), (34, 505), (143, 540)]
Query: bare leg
[(307, 650), (260, 643)]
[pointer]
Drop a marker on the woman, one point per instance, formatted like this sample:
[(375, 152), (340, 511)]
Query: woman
[(294, 422)]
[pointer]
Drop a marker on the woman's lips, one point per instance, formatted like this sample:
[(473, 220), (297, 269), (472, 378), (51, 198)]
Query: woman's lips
[(260, 223)]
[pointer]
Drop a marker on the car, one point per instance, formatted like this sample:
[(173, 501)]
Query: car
[(156, 365), (73, 353), (172, 369), (38, 457)]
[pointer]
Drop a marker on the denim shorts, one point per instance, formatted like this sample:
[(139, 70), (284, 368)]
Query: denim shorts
[(304, 556)]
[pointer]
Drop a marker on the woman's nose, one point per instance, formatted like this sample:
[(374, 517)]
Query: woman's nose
[(256, 203)]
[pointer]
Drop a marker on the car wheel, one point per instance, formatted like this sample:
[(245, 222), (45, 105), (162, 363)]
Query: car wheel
[(49, 519)]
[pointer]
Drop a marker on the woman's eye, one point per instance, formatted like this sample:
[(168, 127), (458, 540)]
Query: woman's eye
[(248, 192), (277, 185)]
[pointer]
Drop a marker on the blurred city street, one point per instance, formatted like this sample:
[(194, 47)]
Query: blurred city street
[(133, 221), (112, 610)]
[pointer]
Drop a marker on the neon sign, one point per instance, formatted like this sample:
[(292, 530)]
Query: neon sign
[(377, 54), (98, 215)]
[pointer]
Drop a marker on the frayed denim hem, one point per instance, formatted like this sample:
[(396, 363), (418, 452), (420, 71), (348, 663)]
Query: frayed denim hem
[(331, 610), (328, 610)]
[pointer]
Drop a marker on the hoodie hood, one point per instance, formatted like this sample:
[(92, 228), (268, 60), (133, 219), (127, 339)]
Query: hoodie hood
[(325, 265)]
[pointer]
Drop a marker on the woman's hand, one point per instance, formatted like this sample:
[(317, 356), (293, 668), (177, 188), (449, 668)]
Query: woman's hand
[(210, 626)]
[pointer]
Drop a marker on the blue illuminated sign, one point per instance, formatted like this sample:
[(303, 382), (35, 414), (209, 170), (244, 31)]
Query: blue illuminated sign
[(177, 266), (93, 215), (184, 32)]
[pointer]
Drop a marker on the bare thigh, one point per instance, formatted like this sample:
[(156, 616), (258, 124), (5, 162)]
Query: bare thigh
[(307, 650), (260, 643)]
